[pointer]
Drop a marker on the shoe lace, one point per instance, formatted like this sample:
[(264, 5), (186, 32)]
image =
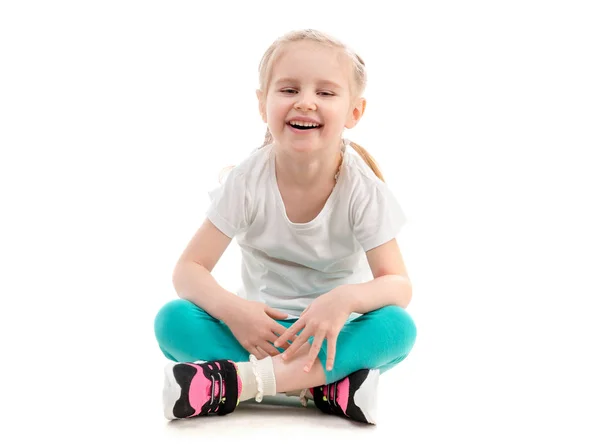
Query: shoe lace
[(330, 395), (213, 373), (212, 389)]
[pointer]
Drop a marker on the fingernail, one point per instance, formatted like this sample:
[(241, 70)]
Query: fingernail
[(276, 344), (283, 356), (306, 369)]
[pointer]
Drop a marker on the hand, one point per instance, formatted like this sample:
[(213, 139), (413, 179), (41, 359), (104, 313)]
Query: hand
[(323, 319), (253, 325)]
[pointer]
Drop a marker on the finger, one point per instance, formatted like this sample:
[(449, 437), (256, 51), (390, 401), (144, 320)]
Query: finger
[(276, 314), (254, 351), (269, 349), (283, 346), (331, 345), (279, 332), (314, 351), (262, 353), (272, 337), (305, 310), (286, 334), (290, 333), (296, 345)]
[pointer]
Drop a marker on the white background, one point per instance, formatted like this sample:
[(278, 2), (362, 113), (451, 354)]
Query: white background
[(116, 118)]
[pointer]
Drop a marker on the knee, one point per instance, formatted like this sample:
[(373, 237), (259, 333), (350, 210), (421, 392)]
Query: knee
[(399, 326), (171, 317)]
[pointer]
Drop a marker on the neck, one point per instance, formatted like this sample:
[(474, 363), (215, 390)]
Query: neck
[(307, 171)]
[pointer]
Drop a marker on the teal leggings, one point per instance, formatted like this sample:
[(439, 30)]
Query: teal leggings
[(376, 340)]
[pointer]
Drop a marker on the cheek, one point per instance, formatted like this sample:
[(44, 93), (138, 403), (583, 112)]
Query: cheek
[(277, 110), (336, 118)]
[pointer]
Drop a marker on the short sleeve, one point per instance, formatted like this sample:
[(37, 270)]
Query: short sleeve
[(377, 217), (227, 209)]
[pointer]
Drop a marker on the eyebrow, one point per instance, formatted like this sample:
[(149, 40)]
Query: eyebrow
[(321, 81)]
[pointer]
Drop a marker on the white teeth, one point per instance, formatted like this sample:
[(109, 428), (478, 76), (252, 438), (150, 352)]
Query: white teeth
[(302, 123)]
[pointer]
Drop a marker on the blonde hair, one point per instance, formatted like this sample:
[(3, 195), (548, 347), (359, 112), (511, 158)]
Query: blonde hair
[(357, 88)]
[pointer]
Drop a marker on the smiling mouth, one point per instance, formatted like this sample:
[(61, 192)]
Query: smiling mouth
[(304, 128)]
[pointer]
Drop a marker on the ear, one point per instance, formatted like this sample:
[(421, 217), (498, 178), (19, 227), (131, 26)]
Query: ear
[(356, 113), (261, 105)]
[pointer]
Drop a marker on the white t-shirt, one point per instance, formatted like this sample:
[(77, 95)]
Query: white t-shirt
[(287, 265)]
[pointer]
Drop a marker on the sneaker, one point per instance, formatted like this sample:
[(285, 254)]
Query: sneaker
[(200, 388), (354, 397)]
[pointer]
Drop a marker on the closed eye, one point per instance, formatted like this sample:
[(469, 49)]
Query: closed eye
[(293, 90)]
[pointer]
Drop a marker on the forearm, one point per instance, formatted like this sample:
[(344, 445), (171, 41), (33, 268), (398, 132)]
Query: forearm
[(377, 293), (195, 283)]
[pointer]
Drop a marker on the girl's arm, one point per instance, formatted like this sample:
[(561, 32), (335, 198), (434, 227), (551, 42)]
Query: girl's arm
[(195, 283), (377, 293), (192, 278), (390, 285)]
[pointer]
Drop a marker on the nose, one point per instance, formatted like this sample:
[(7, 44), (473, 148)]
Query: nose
[(305, 102)]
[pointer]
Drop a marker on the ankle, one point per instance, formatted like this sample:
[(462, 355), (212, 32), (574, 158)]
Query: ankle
[(258, 378)]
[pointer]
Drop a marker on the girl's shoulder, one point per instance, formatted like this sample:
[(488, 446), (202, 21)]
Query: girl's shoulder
[(359, 177), (253, 166)]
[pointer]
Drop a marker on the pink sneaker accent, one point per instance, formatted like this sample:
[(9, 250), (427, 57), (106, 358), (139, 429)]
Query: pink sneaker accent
[(343, 393), (199, 392), (353, 397), (200, 388)]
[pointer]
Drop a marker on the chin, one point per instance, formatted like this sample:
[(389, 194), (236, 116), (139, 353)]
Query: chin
[(302, 149), (298, 145)]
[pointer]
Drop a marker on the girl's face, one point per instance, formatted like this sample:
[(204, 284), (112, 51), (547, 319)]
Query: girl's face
[(313, 81)]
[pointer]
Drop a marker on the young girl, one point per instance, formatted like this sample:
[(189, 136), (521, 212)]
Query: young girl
[(322, 308)]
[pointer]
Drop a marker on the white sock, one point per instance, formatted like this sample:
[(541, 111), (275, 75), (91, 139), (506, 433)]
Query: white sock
[(250, 381)]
